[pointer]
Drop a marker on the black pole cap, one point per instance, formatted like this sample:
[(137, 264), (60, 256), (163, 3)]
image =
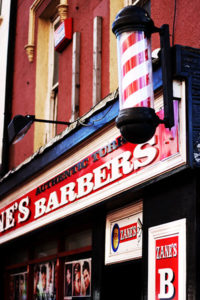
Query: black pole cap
[(137, 124), (133, 18)]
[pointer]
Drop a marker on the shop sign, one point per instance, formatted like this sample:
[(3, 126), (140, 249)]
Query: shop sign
[(63, 35), (167, 261), (96, 174), (124, 234)]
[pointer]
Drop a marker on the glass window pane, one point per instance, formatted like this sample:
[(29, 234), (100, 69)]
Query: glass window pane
[(18, 286), (45, 249), (21, 256), (78, 240), (55, 69)]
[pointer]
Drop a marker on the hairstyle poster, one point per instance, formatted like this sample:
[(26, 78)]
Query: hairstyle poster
[(45, 281), (18, 286), (77, 279)]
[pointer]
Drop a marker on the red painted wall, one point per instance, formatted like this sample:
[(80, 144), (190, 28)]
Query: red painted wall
[(187, 28), (83, 15), (23, 100), (187, 25), (23, 84)]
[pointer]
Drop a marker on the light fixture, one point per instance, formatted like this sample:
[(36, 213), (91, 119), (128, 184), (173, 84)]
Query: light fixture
[(137, 119), (19, 126)]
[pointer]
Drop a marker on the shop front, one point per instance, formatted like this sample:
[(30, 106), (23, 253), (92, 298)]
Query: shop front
[(102, 218)]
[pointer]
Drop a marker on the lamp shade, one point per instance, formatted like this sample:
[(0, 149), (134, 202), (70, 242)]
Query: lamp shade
[(18, 127)]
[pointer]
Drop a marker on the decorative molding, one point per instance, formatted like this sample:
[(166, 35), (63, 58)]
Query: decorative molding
[(31, 30), (30, 52), (30, 47), (62, 11)]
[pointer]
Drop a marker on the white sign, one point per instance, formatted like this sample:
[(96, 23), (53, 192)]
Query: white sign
[(124, 234)]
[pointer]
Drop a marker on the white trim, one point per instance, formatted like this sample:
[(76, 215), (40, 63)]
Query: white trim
[(164, 231), (97, 27), (75, 75), (51, 100)]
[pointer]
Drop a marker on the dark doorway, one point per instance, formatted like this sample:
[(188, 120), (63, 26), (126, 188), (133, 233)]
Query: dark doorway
[(123, 281)]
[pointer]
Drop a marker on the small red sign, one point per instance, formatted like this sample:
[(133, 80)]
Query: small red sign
[(63, 34), (167, 268), (128, 233)]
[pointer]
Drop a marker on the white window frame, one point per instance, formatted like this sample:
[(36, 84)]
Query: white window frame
[(52, 88)]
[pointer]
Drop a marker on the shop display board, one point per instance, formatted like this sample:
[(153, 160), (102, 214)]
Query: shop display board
[(77, 279), (124, 234), (167, 261), (18, 286)]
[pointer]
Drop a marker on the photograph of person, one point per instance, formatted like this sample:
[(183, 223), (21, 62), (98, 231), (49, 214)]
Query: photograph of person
[(86, 277), (50, 279), (36, 282), (68, 280), (22, 287), (76, 279), (44, 281)]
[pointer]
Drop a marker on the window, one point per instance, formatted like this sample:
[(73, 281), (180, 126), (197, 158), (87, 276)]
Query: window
[(52, 264), (18, 286), (47, 61)]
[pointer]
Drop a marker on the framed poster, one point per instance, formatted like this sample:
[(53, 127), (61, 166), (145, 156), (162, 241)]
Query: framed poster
[(44, 281), (167, 261), (124, 234), (18, 286), (77, 279)]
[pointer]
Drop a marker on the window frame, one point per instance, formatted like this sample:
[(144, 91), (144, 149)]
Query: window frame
[(52, 87)]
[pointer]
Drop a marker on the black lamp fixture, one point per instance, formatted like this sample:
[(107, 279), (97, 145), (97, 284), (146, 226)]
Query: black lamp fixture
[(137, 119), (19, 126)]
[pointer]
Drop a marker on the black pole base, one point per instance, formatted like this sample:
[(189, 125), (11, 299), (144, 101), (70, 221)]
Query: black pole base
[(137, 124)]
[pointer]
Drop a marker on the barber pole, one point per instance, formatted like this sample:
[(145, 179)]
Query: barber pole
[(135, 70)]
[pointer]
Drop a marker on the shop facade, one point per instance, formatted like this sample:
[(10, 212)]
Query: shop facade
[(84, 214), (95, 217)]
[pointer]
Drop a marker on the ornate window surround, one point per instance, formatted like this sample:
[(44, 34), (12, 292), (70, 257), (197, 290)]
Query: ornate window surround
[(62, 11)]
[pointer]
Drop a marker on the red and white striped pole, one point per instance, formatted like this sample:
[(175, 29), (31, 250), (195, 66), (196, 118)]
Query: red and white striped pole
[(135, 70), (137, 119)]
